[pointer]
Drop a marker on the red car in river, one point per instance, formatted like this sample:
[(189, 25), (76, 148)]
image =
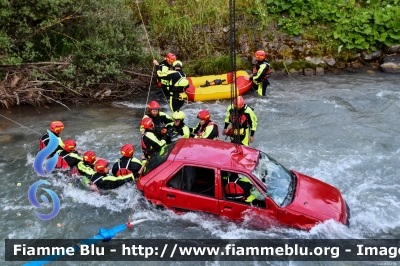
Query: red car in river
[(194, 175)]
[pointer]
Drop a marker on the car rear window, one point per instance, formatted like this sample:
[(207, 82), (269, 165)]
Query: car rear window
[(158, 158)]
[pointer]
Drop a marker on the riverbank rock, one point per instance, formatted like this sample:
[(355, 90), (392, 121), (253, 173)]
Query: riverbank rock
[(392, 49), (296, 71), (308, 71), (391, 63), (372, 56), (319, 71), (330, 61), (315, 60)]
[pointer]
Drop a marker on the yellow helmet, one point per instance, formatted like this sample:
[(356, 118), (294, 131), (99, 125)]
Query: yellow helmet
[(177, 63), (178, 115)]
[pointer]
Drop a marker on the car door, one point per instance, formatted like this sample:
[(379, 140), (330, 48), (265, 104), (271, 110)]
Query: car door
[(199, 197), (236, 209)]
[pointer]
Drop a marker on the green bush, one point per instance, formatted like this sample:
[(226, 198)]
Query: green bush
[(361, 25), (98, 35)]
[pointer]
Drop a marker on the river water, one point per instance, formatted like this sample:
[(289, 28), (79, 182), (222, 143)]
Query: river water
[(340, 128)]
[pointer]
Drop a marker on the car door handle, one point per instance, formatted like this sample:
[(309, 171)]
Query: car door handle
[(228, 207), (170, 196)]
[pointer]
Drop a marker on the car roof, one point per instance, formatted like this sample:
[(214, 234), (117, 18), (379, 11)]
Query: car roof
[(215, 152)]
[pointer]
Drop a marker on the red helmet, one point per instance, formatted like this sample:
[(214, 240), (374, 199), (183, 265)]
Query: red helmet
[(238, 102), (153, 105), (69, 145), (204, 115), (260, 55), (147, 123), (56, 127), (100, 166), (127, 150), (89, 157), (170, 57)]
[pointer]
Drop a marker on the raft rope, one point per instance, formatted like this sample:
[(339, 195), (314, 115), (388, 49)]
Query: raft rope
[(148, 95), (151, 52), (232, 57), (152, 55), (20, 124)]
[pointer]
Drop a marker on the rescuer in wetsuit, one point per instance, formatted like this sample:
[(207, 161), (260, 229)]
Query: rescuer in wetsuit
[(150, 142), (127, 161), (206, 129), (160, 119), (68, 158), (105, 181), (246, 120), (177, 129), (177, 83), (239, 188), (162, 71), (56, 127), (261, 71), (86, 166)]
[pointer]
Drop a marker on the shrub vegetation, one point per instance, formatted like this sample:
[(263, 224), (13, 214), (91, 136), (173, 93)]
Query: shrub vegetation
[(102, 38)]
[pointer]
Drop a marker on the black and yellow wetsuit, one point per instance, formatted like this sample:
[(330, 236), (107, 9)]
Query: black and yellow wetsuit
[(247, 121), (177, 83), (207, 131), (86, 170), (68, 159), (132, 164), (159, 122), (44, 141), (261, 73), (105, 181), (177, 132), (151, 144), (162, 72)]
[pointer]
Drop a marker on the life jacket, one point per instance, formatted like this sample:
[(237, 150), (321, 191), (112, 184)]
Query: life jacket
[(41, 141), (162, 70), (62, 163), (85, 169), (123, 170), (243, 121), (180, 85), (202, 129), (257, 67), (44, 141), (75, 171)]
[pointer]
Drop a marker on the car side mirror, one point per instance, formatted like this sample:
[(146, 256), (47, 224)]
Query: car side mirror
[(270, 204)]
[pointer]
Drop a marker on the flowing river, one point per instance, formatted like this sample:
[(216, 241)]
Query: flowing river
[(342, 128)]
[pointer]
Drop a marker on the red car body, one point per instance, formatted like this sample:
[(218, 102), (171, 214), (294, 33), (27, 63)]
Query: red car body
[(306, 202)]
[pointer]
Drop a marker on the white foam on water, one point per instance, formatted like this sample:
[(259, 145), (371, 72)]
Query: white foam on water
[(124, 104), (30, 158)]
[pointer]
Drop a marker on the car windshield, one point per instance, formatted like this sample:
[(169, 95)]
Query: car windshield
[(158, 158), (278, 180)]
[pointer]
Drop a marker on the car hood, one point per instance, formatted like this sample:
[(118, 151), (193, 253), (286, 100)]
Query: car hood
[(317, 199)]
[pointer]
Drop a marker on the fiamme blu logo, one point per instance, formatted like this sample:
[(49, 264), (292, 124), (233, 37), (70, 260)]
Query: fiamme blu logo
[(50, 164), (32, 198)]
